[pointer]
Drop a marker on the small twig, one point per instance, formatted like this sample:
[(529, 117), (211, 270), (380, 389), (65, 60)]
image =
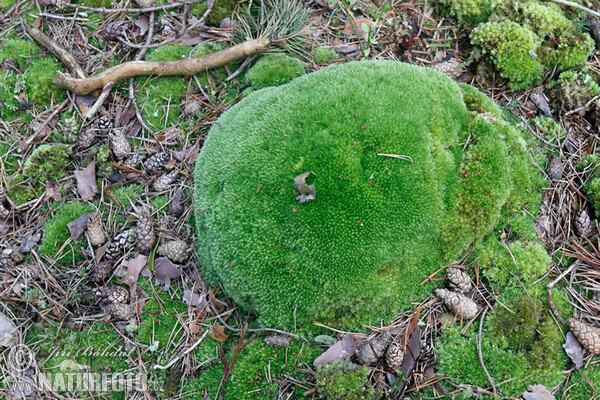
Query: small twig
[(104, 10), (209, 7), (575, 5), (489, 377), (240, 69), (583, 107), (98, 103), (43, 125), (187, 351), (407, 158)]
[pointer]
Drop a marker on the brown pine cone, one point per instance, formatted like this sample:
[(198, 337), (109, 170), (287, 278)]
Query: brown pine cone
[(370, 351), (555, 168), (120, 311), (394, 356), (460, 305), (95, 231), (113, 30), (112, 294), (176, 205), (155, 162), (588, 335), (104, 123), (86, 138), (458, 280), (6, 261), (278, 340), (144, 233), (165, 181), (583, 224), (118, 245), (101, 272), (133, 161), (175, 250), (119, 143)]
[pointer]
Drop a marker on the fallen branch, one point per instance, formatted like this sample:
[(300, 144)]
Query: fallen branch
[(185, 67), (579, 6)]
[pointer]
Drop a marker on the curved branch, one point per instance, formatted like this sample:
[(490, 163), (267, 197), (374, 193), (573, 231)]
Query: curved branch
[(186, 67)]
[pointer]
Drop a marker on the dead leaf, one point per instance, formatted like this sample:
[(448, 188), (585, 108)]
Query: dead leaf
[(86, 182), (304, 184), (574, 350), (142, 23), (78, 226), (217, 332), (194, 300), (413, 350), (52, 192), (165, 270), (126, 117), (189, 40), (538, 392), (7, 330), (349, 29), (29, 242), (85, 102), (341, 350), (134, 267), (195, 328)]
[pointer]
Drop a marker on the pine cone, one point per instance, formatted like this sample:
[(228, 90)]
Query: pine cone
[(112, 294), (555, 168), (104, 123), (119, 143), (165, 181), (175, 250), (458, 279), (583, 224), (120, 311), (588, 335), (369, 352), (86, 138), (118, 245), (95, 230), (144, 234), (101, 272), (460, 305), (394, 356), (278, 340), (155, 162), (176, 205), (113, 30), (3, 195), (6, 261), (133, 161)]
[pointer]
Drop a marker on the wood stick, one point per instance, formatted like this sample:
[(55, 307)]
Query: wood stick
[(186, 67)]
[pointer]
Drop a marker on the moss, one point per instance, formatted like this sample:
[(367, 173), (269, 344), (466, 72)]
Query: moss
[(56, 234), (592, 192), (469, 12), (274, 70), (324, 54), (359, 251), (573, 89), (507, 44), (213, 78), (6, 4), (550, 129), (47, 162), (221, 9), (38, 82), (19, 191), (258, 369), (578, 385), (341, 380), (20, 50), (518, 325)]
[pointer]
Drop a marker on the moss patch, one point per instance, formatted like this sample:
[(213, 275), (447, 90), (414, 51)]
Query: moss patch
[(47, 162), (342, 380), (274, 70)]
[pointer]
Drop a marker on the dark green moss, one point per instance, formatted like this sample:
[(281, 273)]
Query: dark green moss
[(343, 380), (517, 324)]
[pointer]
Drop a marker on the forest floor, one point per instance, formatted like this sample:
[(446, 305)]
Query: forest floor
[(45, 287)]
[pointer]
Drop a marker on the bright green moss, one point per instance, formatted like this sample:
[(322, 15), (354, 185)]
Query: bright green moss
[(274, 70), (21, 50), (258, 369), (379, 224), (221, 9), (56, 233), (578, 386), (324, 54), (19, 191), (470, 12), (343, 380), (38, 82), (508, 44), (6, 4), (592, 192), (47, 162)]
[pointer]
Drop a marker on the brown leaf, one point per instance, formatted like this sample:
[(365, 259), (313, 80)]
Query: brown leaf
[(307, 191), (217, 332), (574, 350), (126, 117), (52, 192), (538, 392), (134, 267), (85, 102), (8, 330), (165, 270), (348, 29), (78, 226), (188, 40), (86, 182), (142, 23), (341, 350)]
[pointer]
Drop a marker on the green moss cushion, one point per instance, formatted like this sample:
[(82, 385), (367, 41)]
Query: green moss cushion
[(380, 224)]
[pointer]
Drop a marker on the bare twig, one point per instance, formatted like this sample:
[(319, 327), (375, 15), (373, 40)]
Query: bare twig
[(185, 67), (583, 107), (98, 103), (579, 6), (489, 377), (104, 10)]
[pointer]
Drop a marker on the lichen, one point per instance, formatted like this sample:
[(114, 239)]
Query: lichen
[(359, 251), (274, 70), (47, 162), (343, 380)]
